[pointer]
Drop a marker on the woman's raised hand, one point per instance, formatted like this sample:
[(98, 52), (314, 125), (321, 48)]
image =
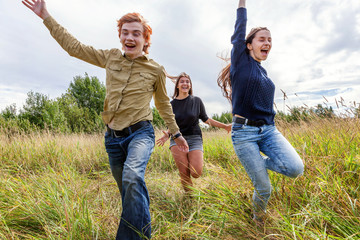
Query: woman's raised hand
[(228, 127), (242, 3), (38, 7)]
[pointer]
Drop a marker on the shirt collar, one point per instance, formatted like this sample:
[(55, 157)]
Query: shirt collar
[(143, 57), (146, 56)]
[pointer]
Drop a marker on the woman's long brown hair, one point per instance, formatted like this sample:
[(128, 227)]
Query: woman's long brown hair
[(224, 82)]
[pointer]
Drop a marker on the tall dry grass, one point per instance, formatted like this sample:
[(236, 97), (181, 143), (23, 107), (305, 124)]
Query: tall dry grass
[(55, 186)]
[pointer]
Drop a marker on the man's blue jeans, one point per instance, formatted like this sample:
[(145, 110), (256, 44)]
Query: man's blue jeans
[(280, 157), (128, 157)]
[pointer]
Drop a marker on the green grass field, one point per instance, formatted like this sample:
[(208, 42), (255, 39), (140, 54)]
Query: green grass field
[(56, 186)]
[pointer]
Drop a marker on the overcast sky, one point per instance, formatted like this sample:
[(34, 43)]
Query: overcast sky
[(315, 53)]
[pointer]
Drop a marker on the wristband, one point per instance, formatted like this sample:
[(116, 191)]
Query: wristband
[(173, 137)]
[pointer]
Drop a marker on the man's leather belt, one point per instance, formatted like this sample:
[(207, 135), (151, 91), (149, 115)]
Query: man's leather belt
[(245, 121), (128, 130)]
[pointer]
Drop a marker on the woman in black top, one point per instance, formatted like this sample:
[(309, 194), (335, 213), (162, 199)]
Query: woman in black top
[(188, 109)]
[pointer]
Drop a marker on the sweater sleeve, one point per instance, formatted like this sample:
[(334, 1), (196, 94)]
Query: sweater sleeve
[(240, 26), (238, 38)]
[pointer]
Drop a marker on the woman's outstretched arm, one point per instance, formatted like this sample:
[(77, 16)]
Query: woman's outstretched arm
[(218, 124)]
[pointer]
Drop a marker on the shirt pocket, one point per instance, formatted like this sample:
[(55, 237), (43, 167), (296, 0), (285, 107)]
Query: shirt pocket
[(116, 76), (148, 80), (115, 67)]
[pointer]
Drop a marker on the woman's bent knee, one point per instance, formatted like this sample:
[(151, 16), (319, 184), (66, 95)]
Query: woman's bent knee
[(296, 170)]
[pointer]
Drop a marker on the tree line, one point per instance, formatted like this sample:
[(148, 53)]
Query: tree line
[(78, 111)]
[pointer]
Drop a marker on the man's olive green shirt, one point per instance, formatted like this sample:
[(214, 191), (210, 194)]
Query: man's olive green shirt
[(130, 84)]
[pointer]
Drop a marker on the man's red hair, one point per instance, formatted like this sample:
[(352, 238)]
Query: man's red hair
[(136, 17)]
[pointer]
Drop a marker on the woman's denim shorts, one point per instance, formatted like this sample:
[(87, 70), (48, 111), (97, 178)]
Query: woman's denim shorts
[(195, 142)]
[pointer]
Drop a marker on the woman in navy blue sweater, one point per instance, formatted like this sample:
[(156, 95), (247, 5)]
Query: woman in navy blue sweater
[(246, 84)]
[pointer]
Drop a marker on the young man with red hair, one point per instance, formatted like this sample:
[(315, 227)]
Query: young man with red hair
[(132, 78)]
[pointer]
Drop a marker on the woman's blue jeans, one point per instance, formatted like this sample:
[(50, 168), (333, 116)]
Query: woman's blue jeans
[(280, 157), (128, 157)]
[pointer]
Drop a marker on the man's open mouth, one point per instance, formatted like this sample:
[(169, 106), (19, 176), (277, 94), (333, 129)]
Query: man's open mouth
[(130, 45)]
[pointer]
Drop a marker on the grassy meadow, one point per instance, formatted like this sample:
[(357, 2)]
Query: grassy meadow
[(57, 186)]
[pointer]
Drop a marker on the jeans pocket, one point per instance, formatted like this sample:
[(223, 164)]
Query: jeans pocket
[(237, 126), (149, 129), (110, 140), (107, 137)]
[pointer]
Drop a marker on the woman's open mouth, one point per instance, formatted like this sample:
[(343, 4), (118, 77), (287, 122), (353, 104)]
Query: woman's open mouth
[(265, 52)]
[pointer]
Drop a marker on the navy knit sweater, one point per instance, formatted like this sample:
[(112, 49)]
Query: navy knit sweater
[(252, 90)]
